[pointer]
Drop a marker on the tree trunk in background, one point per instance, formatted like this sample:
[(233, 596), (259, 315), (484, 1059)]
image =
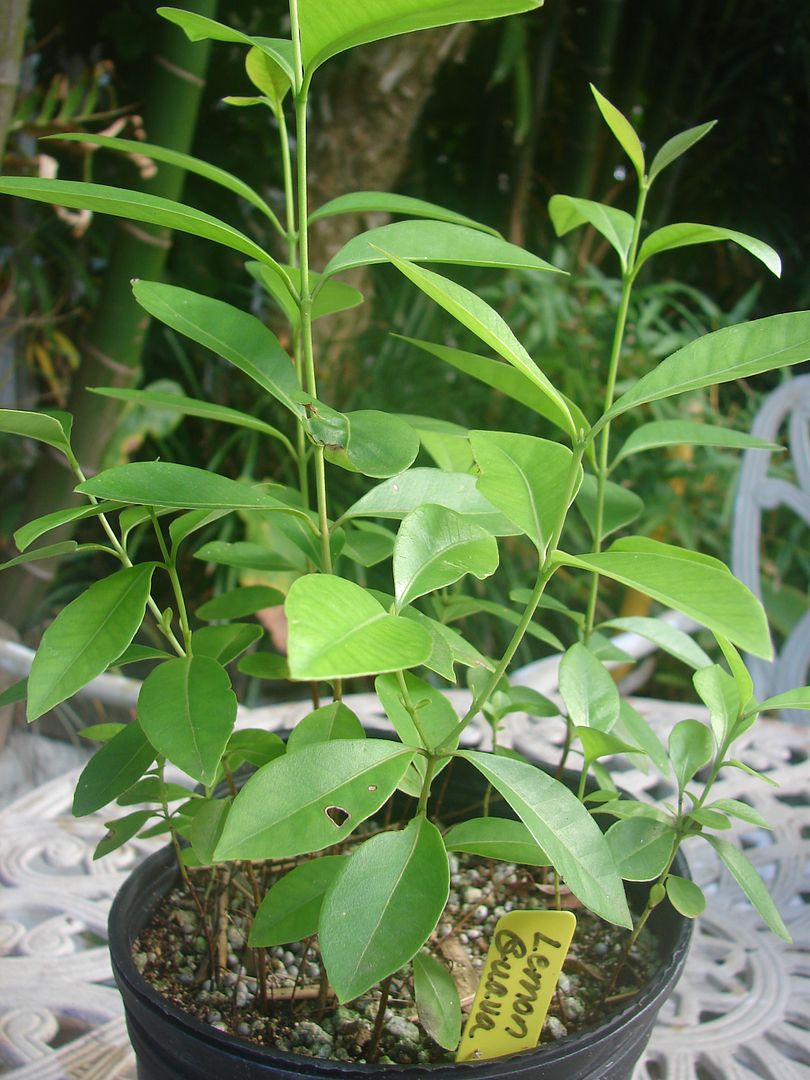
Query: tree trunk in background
[(112, 349), (366, 148), (13, 17)]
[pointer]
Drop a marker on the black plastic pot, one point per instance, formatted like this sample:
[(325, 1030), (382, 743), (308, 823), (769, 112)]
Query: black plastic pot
[(171, 1045)]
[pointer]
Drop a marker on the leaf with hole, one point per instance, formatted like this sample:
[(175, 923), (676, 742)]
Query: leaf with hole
[(120, 830), (313, 798)]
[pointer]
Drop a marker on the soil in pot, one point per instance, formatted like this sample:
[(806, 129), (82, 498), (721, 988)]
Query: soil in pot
[(172, 955), (174, 958)]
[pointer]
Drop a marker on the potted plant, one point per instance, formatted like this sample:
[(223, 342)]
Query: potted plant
[(351, 847)]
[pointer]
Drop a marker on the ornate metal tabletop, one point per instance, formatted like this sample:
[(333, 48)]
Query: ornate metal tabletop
[(742, 1009)]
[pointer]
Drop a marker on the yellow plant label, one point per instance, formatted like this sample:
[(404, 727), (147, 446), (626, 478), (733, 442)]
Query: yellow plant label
[(521, 970)]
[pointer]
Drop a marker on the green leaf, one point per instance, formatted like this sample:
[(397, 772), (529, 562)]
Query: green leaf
[(35, 425), (338, 630), (14, 693), (239, 602), (207, 826), (741, 676), (436, 547), (668, 638), (503, 377), (399, 495), (112, 770), (521, 699), (101, 732), (435, 242), (641, 847), (590, 694), (48, 551), (368, 544), (447, 443), (119, 831), (134, 205), (262, 665), (238, 337), (225, 643), (292, 906), (172, 157), (685, 896), (635, 727), (150, 789), (436, 715), (615, 225), (269, 76), (740, 810), (483, 321), (791, 699), (751, 884), (496, 838), (563, 828), (383, 906), (87, 636), (735, 352), (328, 28), (385, 202), (201, 28), (187, 406), (660, 433), (187, 710), (162, 483), (437, 1002), (677, 145), (623, 130), (333, 721), (719, 693), (328, 296), (598, 744), (621, 506), (313, 798), (707, 593), (526, 478), (374, 443), (687, 234), (243, 554), (460, 607), (27, 534), (741, 765), (691, 746), (253, 745), (711, 819)]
